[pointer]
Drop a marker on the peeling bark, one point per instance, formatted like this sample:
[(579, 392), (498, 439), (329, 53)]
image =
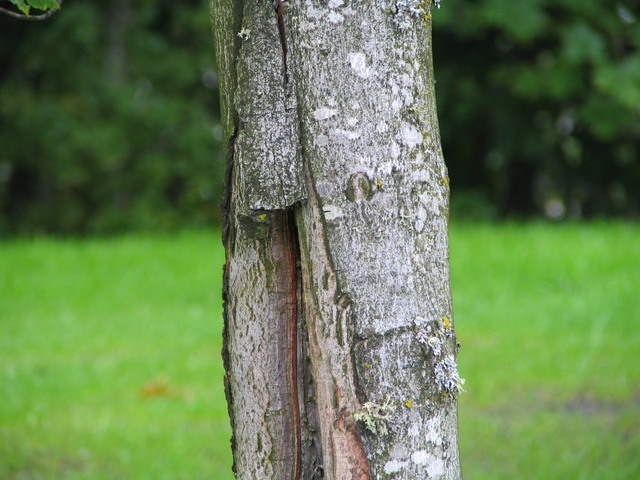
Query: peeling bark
[(327, 314), (339, 341), (268, 157)]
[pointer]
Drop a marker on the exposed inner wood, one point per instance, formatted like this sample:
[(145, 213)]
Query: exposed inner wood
[(326, 312), (279, 6), (321, 312), (285, 276)]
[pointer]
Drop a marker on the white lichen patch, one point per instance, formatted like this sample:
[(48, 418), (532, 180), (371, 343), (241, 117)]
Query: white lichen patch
[(335, 3), (343, 136), (436, 345), (324, 113), (322, 140), (394, 150), (420, 219), (332, 212), (399, 451), (430, 203), (244, 34), (422, 176), (407, 96), (405, 80), (358, 62), (447, 376), (335, 17), (410, 135), (375, 415), (396, 104), (420, 457), (435, 469), (434, 431), (414, 430), (382, 127), (394, 466), (404, 11), (434, 465)]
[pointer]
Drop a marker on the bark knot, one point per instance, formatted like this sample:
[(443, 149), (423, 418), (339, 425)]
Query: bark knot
[(359, 187)]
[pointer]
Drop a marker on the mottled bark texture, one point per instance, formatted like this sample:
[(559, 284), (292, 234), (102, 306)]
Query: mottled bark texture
[(339, 343)]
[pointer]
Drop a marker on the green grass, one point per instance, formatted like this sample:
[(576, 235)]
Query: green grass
[(110, 365), (85, 326), (548, 321)]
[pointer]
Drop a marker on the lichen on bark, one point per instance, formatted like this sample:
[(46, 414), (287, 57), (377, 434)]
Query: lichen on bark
[(338, 204)]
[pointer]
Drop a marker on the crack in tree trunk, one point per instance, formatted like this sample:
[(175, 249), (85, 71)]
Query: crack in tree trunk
[(337, 280), (285, 234), (327, 312), (279, 6)]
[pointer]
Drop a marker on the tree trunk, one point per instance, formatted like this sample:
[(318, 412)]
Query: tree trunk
[(118, 20), (339, 343)]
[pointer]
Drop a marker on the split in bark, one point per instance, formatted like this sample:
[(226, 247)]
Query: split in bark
[(339, 344)]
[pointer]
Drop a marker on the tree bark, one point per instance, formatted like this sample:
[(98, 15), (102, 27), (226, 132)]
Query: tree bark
[(339, 342)]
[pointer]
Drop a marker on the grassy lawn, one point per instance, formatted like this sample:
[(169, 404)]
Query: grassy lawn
[(110, 359), (110, 364), (548, 319)]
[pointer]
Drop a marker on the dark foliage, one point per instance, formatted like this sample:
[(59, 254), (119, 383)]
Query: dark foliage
[(108, 119), (109, 113), (539, 104)]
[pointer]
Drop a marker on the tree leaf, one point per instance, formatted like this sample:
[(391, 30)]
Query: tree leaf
[(621, 81), (523, 19), (581, 43), (22, 6), (43, 4)]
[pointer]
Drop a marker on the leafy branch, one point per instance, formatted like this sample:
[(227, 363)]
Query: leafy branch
[(48, 6)]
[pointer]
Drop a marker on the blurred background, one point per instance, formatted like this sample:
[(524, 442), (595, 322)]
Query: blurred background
[(108, 119), (109, 114), (539, 104), (111, 261)]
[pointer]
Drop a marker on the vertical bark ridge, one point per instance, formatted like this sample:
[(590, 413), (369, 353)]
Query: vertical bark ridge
[(327, 311), (261, 276), (262, 346), (279, 6), (371, 234), (268, 154), (375, 231), (286, 237)]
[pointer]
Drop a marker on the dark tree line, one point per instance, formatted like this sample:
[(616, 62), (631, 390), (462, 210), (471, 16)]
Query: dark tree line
[(108, 113), (539, 103), (108, 119)]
